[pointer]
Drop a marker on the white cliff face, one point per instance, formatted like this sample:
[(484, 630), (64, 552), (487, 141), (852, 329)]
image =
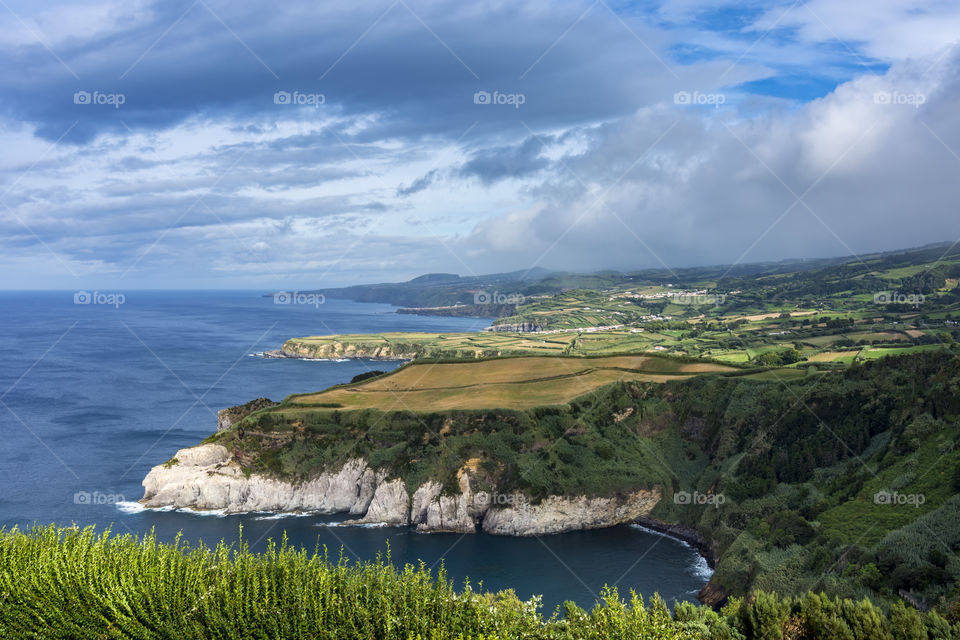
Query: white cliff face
[(556, 514), (460, 513), (204, 477), (390, 505)]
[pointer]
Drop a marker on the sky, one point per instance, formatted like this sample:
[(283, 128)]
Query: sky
[(274, 145)]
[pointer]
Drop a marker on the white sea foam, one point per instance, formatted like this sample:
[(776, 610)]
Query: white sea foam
[(206, 513), (129, 507), (362, 525), (661, 534), (699, 567), (267, 515), (262, 354)]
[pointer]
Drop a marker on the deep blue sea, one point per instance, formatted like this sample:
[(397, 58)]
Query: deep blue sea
[(93, 395)]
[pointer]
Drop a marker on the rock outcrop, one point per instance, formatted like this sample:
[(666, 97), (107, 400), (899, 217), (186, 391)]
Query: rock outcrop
[(557, 513), (206, 478), (461, 513), (230, 416), (390, 505), (712, 595), (339, 350)]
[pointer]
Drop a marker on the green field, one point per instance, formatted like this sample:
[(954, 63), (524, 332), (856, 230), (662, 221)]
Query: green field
[(760, 320), (508, 383)]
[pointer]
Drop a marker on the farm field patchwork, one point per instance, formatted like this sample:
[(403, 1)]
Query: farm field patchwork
[(510, 383)]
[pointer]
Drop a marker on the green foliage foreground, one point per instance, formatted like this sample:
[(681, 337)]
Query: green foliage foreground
[(72, 583)]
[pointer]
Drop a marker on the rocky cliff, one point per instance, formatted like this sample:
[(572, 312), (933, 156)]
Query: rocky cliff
[(519, 327), (337, 350), (206, 478), (491, 310)]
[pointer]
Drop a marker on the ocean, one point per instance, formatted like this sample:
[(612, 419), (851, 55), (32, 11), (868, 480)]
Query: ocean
[(96, 389)]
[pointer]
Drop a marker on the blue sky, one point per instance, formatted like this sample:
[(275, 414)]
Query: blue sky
[(203, 143)]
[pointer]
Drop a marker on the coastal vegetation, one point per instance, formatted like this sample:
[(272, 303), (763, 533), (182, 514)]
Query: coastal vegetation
[(799, 422), (72, 583), (842, 481)]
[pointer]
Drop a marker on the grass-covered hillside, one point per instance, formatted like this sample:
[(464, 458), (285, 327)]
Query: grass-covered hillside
[(67, 584), (507, 383), (845, 480)]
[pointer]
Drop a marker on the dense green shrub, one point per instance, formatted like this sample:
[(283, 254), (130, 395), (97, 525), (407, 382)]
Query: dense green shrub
[(70, 583)]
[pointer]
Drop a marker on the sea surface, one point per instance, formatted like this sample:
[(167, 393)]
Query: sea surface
[(93, 395)]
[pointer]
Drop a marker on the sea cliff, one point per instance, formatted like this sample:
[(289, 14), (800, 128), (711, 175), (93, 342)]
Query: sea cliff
[(206, 477)]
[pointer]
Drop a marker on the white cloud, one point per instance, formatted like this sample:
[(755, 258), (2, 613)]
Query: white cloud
[(300, 195), (889, 30)]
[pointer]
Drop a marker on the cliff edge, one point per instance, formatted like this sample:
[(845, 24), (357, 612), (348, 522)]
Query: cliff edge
[(206, 477)]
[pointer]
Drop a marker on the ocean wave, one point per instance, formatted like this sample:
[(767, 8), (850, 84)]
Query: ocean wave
[(361, 525), (661, 534), (206, 513), (701, 568), (268, 515), (130, 508)]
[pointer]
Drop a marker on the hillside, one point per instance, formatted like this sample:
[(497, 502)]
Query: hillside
[(822, 313), (842, 481), (506, 383)]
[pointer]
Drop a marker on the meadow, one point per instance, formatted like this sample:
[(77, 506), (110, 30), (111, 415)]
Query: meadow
[(507, 383)]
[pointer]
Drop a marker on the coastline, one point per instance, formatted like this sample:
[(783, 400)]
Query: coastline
[(206, 477), (679, 532), (206, 481)]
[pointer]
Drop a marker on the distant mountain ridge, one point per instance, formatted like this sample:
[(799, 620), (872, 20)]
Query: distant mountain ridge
[(448, 289)]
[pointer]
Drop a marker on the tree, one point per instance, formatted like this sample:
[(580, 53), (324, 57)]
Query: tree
[(906, 623)]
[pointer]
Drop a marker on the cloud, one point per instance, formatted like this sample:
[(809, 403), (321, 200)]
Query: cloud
[(417, 185), (491, 165), (202, 178), (668, 187), (413, 67)]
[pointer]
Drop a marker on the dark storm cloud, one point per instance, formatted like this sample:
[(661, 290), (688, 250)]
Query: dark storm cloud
[(491, 165), (838, 177), (417, 185), (180, 61)]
